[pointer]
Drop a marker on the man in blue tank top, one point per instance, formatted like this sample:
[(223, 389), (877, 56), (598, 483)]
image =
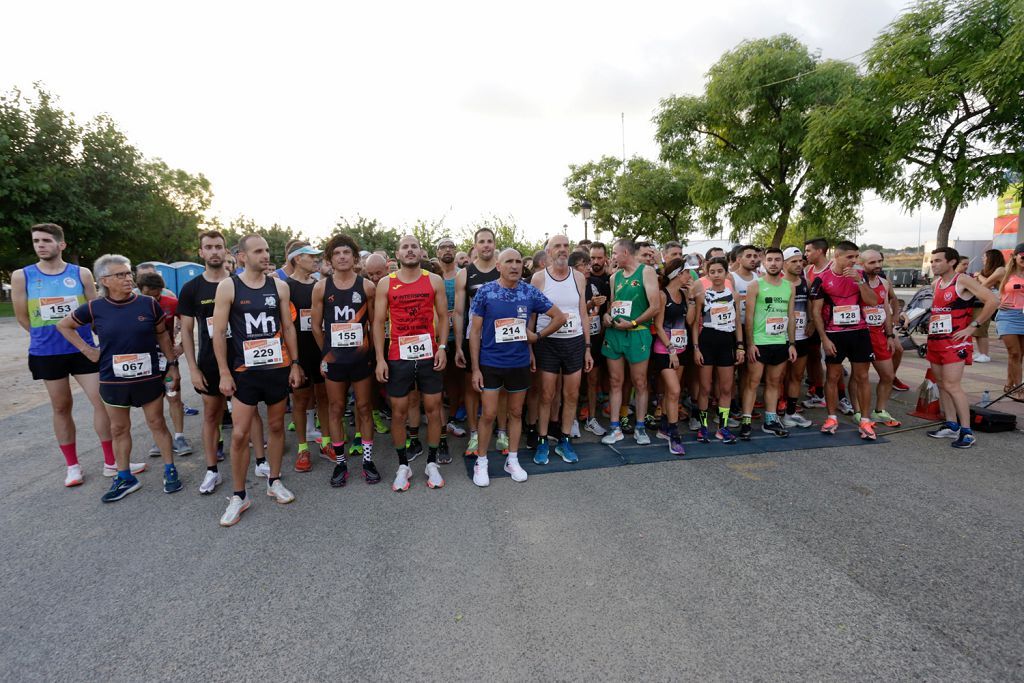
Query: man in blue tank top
[(43, 294)]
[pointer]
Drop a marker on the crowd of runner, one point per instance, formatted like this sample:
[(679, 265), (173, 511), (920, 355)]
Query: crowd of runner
[(524, 348)]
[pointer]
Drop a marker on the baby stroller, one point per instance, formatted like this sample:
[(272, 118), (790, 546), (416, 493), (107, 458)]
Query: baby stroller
[(915, 319)]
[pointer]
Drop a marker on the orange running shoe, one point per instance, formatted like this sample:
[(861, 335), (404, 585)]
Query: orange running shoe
[(302, 462), (830, 426), (867, 430)]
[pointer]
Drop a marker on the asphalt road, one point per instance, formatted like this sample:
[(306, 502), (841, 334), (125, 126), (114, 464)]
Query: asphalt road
[(892, 562)]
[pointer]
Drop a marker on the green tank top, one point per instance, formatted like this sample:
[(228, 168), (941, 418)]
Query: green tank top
[(771, 313), (629, 298)]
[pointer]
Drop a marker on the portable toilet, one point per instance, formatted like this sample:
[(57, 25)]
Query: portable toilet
[(167, 273), (185, 271)]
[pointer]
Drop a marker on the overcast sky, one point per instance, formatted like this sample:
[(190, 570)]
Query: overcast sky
[(299, 112)]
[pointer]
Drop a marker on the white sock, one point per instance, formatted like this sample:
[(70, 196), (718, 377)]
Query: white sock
[(179, 435), (513, 455)]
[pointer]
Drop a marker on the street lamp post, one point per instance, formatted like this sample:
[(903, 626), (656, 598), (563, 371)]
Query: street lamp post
[(585, 208)]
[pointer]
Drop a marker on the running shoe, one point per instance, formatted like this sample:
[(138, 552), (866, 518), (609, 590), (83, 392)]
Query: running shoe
[(867, 430), (480, 476), (190, 411), (650, 421), (830, 426), (444, 456), (413, 449), (339, 477), (641, 436), (675, 444), (279, 493), (513, 467), (172, 483), (370, 473), (745, 431), (472, 446), (236, 506), (501, 443), (454, 429), (944, 432), (302, 462), (460, 414), (856, 418), (814, 402), (594, 427), (980, 358), (796, 420), (134, 468), (211, 480), (613, 436), (883, 417), (732, 423), (181, 446), (626, 425), (725, 436), (154, 451), (327, 452), (380, 425), (574, 431), (702, 435), (565, 451), (263, 469), (119, 488), (74, 476), (434, 478), (845, 407), (541, 456), (402, 477), (662, 433), (774, 427), (356, 449), (899, 385), (313, 435), (694, 424), (532, 437), (965, 440)]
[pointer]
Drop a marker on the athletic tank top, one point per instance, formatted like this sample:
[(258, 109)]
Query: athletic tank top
[(411, 312), (346, 314), (300, 305), (719, 312), (475, 279), (1012, 294), (771, 313), (741, 293), (449, 293), (874, 316), (50, 299), (255, 322), (801, 315), (565, 295), (675, 324), (629, 298), (841, 301), (950, 311)]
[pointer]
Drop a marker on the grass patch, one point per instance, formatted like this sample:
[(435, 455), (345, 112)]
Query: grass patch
[(6, 309)]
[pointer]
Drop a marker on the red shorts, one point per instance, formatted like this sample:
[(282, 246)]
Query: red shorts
[(949, 351), (879, 343)]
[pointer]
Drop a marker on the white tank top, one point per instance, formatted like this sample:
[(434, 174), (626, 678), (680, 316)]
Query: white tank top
[(741, 293), (566, 297)]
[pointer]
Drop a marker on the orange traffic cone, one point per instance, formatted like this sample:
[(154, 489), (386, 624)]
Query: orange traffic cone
[(928, 407)]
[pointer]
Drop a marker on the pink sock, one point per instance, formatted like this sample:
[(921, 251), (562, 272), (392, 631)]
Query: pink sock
[(70, 451), (108, 452)]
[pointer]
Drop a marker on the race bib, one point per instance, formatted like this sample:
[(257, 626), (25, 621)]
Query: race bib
[(595, 325), (132, 365), (800, 318), (415, 347), (941, 324), (570, 328), (346, 335), (621, 309), (306, 320), (722, 315), (509, 330), (775, 326), (874, 316), (56, 307), (209, 328), (259, 352), (845, 315), (677, 338)]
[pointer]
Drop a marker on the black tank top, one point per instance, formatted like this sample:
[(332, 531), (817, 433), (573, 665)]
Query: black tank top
[(301, 311), (255, 322), (675, 313), (475, 279), (345, 306)]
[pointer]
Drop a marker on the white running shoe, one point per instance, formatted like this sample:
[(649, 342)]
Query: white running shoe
[(614, 436), (134, 467), (694, 424), (982, 358), (402, 478), (279, 493), (641, 437), (814, 402), (480, 476), (454, 429), (512, 467), (210, 482), (845, 407), (574, 431), (74, 476), (434, 478), (594, 427), (263, 470), (796, 420), (236, 506)]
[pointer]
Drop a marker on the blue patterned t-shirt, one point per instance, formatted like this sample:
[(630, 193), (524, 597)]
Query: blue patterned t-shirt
[(505, 313)]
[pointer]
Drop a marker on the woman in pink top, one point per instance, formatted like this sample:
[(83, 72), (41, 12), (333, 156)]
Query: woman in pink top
[(1010, 320)]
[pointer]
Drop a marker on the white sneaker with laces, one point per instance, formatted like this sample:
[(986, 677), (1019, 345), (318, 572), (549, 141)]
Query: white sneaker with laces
[(74, 476), (480, 476), (236, 506), (402, 478), (613, 437), (694, 424), (982, 358), (455, 430), (796, 420), (210, 482), (594, 427), (845, 407), (134, 467), (279, 493), (263, 469), (641, 437), (814, 402), (513, 467), (574, 431), (434, 478)]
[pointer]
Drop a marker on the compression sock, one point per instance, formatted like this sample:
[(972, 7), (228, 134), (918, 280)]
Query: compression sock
[(338, 447), (367, 450), (723, 416), (70, 451), (431, 453), (403, 459), (240, 494), (702, 415), (744, 420), (790, 405), (108, 452)]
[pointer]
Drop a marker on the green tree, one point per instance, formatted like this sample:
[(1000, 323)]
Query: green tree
[(598, 182), (657, 195), (939, 117), (745, 134), (276, 235), (506, 235), (369, 233), (428, 232)]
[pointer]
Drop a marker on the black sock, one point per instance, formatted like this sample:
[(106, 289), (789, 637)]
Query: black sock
[(403, 459), (531, 427), (555, 430), (260, 461), (431, 453), (819, 391), (240, 494), (444, 441), (790, 405), (414, 433), (271, 480), (211, 468)]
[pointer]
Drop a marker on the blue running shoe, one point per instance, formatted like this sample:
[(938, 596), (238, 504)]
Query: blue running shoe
[(703, 436), (120, 488), (564, 449), (675, 444), (726, 436), (172, 483), (190, 411), (541, 457), (965, 440), (460, 414)]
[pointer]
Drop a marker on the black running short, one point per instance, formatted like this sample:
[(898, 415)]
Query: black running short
[(61, 366), (772, 354), (512, 380), (211, 374), (803, 347), (717, 347), (595, 343), (560, 355), (310, 364), (269, 386), (355, 371), (854, 345), (406, 375), (131, 394)]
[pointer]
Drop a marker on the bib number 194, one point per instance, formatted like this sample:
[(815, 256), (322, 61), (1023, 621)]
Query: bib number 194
[(415, 347)]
